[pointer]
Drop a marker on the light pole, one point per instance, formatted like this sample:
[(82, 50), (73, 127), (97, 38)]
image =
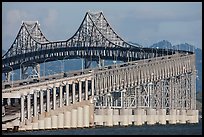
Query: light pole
[(20, 68)]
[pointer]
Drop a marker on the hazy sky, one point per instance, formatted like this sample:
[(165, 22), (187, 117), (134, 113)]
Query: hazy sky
[(144, 23)]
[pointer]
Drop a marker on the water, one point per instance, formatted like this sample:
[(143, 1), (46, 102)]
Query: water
[(178, 129)]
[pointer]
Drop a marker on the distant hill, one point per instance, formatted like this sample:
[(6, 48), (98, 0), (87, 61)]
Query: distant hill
[(163, 45), (166, 44)]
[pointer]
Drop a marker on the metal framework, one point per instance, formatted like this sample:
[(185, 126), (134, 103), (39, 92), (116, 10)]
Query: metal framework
[(165, 84), (94, 40)]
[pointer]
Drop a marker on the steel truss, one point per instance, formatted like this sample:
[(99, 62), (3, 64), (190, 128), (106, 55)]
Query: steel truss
[(170, 93)]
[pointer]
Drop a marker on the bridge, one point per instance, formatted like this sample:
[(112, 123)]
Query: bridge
[(150, 86)]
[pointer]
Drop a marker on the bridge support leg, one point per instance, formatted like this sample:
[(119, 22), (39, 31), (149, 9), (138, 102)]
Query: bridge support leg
[(74, 118), (28, 109), (67, 94), (48, 122), (195, 116), (67, 119), (54, 121), (60, 97), (54, 98), (80, 89), (116, 118), (91, 113), (60, 120), (172, 116), (86, 116), (92, 87), (86, 89), (35, 103), (162, 116), (138, 116), (130, 116), (41, 103), (35, 117), (182, 116), (125, 116), (100, 117), (48, 103), (109, 120), (79, 117), (41, 124), (73, 93), (22, 110)]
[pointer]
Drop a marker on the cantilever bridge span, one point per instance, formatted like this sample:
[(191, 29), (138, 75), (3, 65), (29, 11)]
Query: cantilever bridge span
[(152, 85), (94, 40)]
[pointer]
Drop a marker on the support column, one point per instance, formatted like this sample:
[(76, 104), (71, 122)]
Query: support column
[(138, 116), (151, 116), (109, 117), (22, 110), (67, 94), (35, 118), (92, 87), (79, 117), (125, 117), (28, 107), (173, 116), (41, 102), (60, 99), (60, 120), (35, 103), (48, 102), (74, 118), (113, 82), (162, 116), (67, 119), (54, 98), (117, 81), (182, 116), (73, 93), (80, 87), (86, 116), (86, 89)]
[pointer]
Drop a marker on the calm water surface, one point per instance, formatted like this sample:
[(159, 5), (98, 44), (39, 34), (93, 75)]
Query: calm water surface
[(178, 129)]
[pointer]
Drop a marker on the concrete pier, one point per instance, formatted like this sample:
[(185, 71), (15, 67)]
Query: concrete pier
[(67, 119)]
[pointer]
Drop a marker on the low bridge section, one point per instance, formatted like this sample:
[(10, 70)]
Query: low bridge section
[(156, 90)]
